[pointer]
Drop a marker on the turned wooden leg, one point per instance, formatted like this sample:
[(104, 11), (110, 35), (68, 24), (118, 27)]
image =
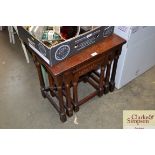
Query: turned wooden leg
[(106, 86), (62, 113), (67, 80), (75, 95), (51, 83), (41, 80), (101, 82)]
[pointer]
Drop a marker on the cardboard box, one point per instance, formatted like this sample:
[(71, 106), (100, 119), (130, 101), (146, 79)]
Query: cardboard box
[(67, 48)]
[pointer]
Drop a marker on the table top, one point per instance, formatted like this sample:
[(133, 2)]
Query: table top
[(86, 54)]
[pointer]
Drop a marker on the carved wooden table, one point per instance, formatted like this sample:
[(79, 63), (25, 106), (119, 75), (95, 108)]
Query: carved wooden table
[(81, 67)]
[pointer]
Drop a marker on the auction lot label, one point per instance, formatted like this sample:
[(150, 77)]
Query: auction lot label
[(139, 119)]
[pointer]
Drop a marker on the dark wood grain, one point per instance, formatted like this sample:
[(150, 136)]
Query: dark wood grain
[(101, 47), (81, 67)]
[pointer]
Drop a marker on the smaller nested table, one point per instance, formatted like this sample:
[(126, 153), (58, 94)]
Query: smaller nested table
[(83, 66)]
